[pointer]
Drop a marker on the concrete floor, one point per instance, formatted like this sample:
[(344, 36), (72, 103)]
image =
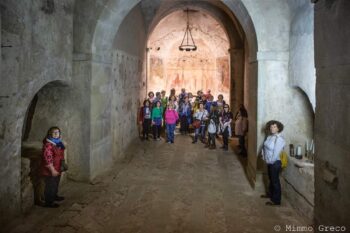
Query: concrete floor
[(164, 188)]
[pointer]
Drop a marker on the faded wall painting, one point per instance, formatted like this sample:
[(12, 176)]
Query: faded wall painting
[(207, 68)]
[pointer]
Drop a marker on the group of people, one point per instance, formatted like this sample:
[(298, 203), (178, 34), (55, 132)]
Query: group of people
[(210, 118), (204, 114), (207, 117)]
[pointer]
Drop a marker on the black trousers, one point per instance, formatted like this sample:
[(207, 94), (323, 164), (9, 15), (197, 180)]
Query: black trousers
[(51, 188), (211, 139), (275, 185), (156, 131), (146, 127), (225, 136), (184, 124), (241, 140)]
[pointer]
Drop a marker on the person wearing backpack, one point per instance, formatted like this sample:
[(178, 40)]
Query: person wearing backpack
[(185, 112), (225, 124), (272, 148), (213, 126)]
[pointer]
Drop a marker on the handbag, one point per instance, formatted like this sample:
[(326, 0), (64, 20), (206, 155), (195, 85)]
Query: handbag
[(64, 166), (196, 124), (284, 159)]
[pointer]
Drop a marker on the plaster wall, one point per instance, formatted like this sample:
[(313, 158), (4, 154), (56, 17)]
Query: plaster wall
[(298, 183), (116, 89), (301, 57), (34, 59), (128, 80), (332, 123), (276, 67), (203, 69)]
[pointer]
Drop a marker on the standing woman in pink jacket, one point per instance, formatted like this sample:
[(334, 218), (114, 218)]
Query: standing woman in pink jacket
[(171, 116)]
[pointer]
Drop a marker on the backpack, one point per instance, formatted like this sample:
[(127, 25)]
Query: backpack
[(212, 127), (283, 158)]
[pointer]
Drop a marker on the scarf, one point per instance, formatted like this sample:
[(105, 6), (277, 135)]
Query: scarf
[(57, 141)]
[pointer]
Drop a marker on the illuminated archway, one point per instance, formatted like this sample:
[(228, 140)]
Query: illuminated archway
[(206, 68)]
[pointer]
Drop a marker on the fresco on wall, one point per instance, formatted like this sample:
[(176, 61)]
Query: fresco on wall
[(223, 74), (156, 72), (206, 68)]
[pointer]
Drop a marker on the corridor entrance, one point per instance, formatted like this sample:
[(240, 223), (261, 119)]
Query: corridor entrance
[(163, 188), (206, 68)]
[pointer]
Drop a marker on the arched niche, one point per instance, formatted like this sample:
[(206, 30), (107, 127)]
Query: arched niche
[(51, 106)]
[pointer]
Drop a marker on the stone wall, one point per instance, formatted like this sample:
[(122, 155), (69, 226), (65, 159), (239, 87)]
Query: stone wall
[(117, 84), (39, 50), (298, 185), (128, 80), (332, 123), (301, 56)]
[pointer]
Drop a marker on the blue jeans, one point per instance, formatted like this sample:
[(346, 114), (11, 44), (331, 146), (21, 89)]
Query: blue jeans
[(275, 185), (200, 131), (170, 128)]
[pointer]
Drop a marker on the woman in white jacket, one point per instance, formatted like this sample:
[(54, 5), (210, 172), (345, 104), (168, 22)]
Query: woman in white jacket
[(272, 148)]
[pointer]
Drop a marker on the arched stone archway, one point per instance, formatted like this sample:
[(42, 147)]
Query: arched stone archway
[(107, 72), (100, 65), (266, 65)]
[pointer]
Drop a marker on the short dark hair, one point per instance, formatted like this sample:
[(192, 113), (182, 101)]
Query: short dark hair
[(279, 125), (145, 101), (50, 131)]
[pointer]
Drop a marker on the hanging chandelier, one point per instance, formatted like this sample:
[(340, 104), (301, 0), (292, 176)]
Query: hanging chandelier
[(187, 43)]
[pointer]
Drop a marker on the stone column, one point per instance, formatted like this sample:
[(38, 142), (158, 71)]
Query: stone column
[(237, 78)]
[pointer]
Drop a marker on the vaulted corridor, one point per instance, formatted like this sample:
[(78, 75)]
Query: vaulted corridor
[(79, 71), (165, 188)]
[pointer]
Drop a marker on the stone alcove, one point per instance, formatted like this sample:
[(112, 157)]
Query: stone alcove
[(49, 107)]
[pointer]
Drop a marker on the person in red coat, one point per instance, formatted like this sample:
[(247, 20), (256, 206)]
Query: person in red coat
[(52, 156)]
